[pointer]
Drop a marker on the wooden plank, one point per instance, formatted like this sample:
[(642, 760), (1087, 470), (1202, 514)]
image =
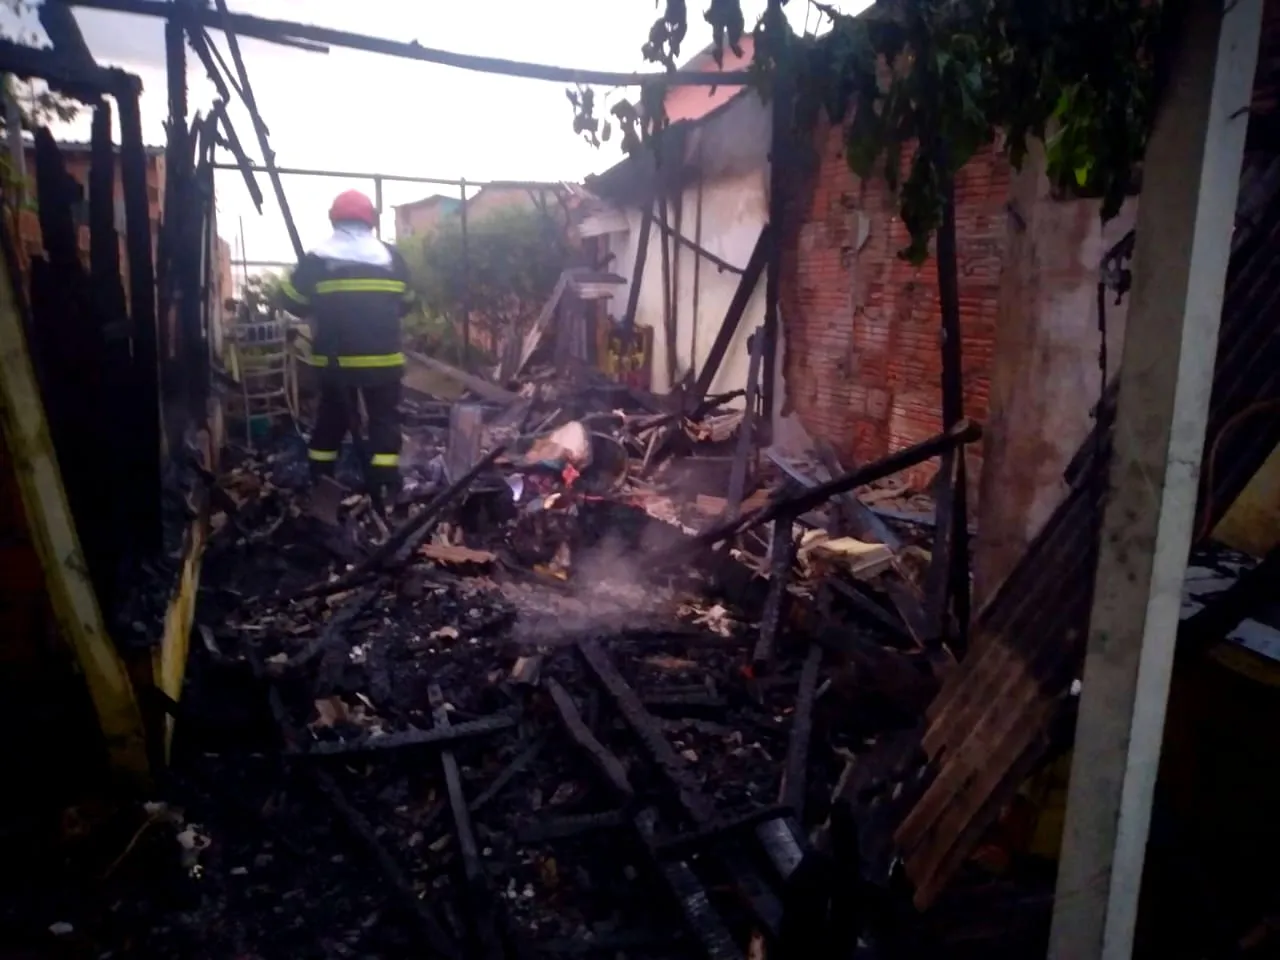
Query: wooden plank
[(746, 430), (477, 385), (733, 316), (539, 329), (609, 766), (53, 532)]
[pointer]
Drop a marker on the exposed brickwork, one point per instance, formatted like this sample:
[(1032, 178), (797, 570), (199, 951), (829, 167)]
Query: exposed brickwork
[(863, 354)]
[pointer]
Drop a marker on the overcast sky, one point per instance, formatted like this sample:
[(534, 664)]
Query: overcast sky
[(356, 111)]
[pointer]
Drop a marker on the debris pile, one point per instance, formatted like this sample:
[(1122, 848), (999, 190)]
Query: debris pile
[(563, 698)]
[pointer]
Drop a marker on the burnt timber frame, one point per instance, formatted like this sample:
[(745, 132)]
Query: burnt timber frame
[(127, 374), (318, 39)]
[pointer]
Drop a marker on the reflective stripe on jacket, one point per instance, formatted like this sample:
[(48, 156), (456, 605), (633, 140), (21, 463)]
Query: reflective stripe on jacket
[(355, 291)]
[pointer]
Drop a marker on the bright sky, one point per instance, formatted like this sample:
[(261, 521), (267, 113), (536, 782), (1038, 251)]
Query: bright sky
[(356, 111)]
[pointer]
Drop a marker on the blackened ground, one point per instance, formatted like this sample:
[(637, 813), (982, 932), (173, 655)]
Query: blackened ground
[(245, 855)]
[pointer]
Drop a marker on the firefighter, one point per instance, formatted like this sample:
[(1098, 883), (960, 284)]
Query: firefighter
[(353, 288)]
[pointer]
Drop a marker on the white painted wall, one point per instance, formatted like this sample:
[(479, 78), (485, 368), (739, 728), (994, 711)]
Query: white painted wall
[(734, 209)]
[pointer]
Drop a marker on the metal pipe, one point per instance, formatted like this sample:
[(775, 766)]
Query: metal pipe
[(466, 282), (359, 175)]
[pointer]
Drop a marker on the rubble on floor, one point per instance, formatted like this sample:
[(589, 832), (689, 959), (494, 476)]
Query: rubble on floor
[(532, 708)]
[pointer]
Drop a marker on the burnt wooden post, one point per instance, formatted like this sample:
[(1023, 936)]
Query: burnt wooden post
[(775, 29), (144, 425), (948, 577), (746, 432), (668, 316), (259, 127), (782, 555), (637, 278), (733, 316), (171, 253)]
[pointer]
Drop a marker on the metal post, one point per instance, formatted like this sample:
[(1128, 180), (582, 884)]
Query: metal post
[(465, 350), (377, 205), (1192, 174)]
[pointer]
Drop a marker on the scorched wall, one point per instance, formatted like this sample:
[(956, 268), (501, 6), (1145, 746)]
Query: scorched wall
[(864, 368)]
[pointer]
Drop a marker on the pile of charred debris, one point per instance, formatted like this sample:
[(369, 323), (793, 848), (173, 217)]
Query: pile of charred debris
[(567, 698)]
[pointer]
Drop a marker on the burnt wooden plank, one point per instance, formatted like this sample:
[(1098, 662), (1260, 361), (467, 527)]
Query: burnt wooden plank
[(145, 432), (436, 737), (746, 430), (601, 757), (645, 726), (782, 555), (795, 774), (964, 432), (695, 805), (637, 277), (701, 916), (572, 826), (733, 316), (517, 766)]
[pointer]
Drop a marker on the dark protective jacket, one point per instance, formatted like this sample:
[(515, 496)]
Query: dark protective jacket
[(354, 290)]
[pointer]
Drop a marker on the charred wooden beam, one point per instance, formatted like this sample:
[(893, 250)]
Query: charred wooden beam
[(145, 432), (646, 728), (104, 268), (692, 801), (948, 579), (205, 51), (733, 316), (282, 31), (782, 556), (687, 844), (86, 82), (425, 924), (704, 922), (668, 295), (637, 277), (517, 766), (779, 168), (64, 33), (483, 934), (436, 737), (864, 523), (795, 774), (746, 431), (570, 827), (399, 546), (601, 757), (226, 24), (964, 432)]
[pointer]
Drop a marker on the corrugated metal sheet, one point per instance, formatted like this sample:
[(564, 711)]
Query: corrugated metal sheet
[(1001, 711)]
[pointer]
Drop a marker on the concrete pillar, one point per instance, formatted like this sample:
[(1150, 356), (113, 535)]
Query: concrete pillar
[(1184, 228)]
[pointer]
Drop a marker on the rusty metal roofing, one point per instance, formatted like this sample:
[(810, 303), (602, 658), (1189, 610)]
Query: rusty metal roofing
[(1007, 705)]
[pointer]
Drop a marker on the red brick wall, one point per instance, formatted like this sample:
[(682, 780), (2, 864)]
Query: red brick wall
[(863, 361)]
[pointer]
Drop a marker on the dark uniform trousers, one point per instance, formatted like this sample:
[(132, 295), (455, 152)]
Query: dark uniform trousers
[(355, 310), (338, 414)]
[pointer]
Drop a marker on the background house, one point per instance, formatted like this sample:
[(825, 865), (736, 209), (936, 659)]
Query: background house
[(420, 216), (416, 218), (715, 164)]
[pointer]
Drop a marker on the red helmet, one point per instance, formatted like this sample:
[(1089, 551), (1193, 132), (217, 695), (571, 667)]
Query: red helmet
[(353, 205)]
